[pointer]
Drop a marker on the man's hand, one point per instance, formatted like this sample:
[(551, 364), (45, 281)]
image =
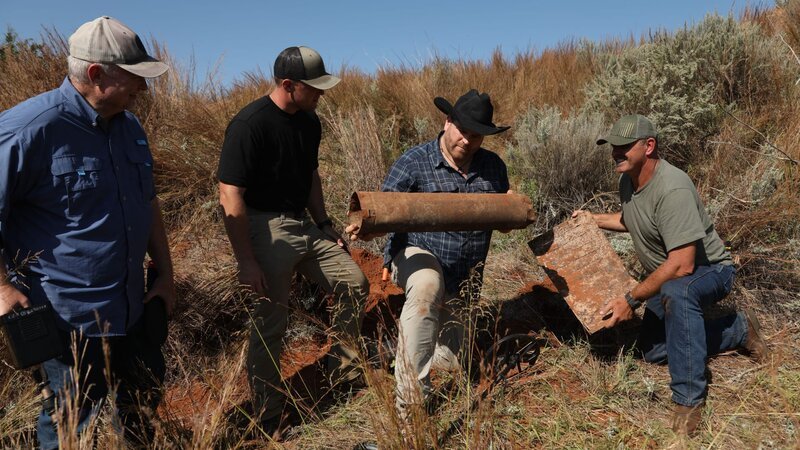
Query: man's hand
[(250, 274), (616, 311), (11, 297), (580, 213), (353, 229), (164, 287), (609, 221), (331, 234)]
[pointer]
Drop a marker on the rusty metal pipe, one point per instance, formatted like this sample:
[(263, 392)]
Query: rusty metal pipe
[(384, 212)]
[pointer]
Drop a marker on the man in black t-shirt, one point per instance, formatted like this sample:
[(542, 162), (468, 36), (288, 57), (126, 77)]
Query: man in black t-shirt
[(274, 214)]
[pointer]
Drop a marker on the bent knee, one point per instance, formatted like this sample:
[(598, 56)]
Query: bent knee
[(425, 290), (671, 292)]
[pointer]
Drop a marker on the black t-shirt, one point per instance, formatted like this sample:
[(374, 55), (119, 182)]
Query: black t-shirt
[(271, 153)]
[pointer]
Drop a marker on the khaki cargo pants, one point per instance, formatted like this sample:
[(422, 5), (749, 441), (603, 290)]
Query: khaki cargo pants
[(284, 244), (431, 329)]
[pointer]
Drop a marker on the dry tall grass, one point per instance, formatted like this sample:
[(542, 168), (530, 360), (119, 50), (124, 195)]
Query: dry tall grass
[(745, 162)]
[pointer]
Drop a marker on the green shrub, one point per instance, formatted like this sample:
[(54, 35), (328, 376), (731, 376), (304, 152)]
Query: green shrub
[(556, 161), (682, 80)]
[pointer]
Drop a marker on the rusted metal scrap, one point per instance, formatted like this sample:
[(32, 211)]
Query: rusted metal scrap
[(581, 263), (384, 212)]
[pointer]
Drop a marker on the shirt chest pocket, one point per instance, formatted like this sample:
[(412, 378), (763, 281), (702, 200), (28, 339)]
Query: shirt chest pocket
[(80, 179), (143, 167), (77, 173), (485, 186)]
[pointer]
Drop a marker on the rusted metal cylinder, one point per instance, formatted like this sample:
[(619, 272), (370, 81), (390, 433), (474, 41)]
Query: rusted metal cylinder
[(384, 212)]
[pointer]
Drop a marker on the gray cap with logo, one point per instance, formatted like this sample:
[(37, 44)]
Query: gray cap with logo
[(304, 64), (109, 41), (629, 129)]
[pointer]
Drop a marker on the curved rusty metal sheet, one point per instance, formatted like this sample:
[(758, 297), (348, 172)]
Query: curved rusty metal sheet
[(584, 268)]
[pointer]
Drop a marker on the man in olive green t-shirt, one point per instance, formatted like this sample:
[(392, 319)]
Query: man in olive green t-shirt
[(687, 269)]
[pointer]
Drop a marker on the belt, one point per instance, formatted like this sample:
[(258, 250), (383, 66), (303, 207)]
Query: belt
[(291, 214), (298, 214)]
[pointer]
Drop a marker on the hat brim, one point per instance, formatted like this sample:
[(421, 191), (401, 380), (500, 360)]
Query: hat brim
[(465, 122), (150, 68), (616, 140), (324, 82)]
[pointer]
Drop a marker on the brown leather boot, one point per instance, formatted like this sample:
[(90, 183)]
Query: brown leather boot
[(755, 345), (685, 419)]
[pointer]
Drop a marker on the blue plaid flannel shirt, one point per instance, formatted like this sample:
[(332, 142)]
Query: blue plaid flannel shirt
[(423, 169)]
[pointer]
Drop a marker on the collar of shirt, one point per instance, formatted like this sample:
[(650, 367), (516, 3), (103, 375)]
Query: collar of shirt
[(78, 104), (437, 160)]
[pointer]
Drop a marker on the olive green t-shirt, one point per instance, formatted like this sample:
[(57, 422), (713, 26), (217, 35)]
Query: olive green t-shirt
[(667, 213)]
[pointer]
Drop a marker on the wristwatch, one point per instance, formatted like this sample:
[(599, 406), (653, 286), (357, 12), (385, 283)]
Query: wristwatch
[(632, 302), (325, 223)]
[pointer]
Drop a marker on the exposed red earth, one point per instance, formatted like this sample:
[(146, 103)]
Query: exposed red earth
[(301, 363), (537, 304)]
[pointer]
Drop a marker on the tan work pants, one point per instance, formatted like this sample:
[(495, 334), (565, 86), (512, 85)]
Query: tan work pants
[(283, 244), (431, 330)]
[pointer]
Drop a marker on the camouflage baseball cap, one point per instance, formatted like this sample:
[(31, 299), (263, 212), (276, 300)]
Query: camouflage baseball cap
[(629, 129)]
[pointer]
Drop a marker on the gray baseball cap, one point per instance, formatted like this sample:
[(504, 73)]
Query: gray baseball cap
[(629, 129), (304, 64), (107, 40)]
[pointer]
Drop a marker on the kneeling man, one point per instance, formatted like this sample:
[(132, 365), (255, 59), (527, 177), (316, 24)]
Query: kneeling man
[(688, 269)]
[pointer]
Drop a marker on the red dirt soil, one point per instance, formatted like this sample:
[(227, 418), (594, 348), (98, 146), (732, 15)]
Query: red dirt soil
[(301, 365)]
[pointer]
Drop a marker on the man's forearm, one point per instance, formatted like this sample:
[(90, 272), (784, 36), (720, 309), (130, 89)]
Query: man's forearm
[(316, 202), (158, 249), (158, 246), (237, 226), (679, 263), (651, 285), (610, 222)]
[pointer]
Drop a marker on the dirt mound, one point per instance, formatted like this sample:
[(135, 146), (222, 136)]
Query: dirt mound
[(380, 291), (536, 307), (301, 364)]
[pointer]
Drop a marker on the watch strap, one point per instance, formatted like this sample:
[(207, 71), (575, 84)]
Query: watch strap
[(632, 302)]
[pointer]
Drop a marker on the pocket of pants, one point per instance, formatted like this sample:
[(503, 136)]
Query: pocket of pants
[(728, 284)]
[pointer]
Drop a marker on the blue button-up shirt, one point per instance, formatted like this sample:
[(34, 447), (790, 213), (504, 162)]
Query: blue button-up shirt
[(423, 169), (75, 209)]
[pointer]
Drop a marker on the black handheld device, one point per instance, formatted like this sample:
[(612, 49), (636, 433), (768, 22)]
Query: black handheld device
[(31, 335)]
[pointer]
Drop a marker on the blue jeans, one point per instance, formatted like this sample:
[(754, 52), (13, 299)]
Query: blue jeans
[(674, 329), (136, 365)]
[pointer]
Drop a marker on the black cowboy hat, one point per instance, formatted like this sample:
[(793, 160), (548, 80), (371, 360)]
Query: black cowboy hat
[(472, 111)]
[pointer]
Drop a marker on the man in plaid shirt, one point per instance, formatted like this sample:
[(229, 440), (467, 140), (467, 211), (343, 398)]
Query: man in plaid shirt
[(441, 271)]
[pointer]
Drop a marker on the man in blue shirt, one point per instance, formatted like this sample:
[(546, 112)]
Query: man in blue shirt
[(78, 211), (441, 271)]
